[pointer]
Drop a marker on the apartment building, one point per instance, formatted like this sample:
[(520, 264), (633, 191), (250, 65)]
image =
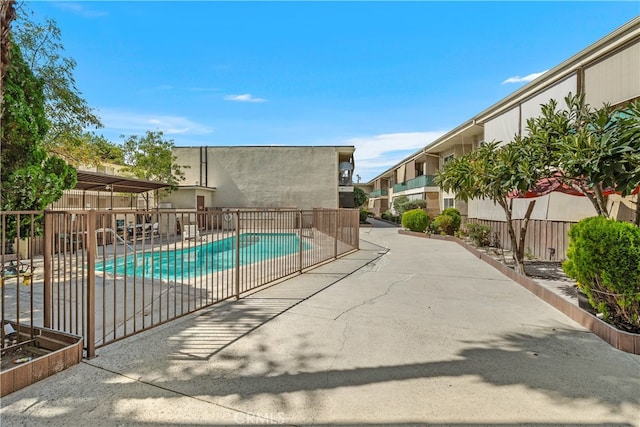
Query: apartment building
[(301, 177), (608, 71)]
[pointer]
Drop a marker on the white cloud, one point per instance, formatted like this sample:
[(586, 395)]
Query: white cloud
[(525, 79), (247, 97), (81, 9), (127, 122), (378, 153)]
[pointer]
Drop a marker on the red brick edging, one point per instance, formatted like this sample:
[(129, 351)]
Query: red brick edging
[(621, 340)]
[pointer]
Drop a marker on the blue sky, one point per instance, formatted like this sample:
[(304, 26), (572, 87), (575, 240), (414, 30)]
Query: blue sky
[(387, 77)]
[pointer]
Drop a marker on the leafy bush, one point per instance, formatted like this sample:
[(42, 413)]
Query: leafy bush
[(359, 196), (455, 215), (441, 224), (448, 222), (415, 204), (604, 257), (364, 214), (402, 204), (399, 204), (390, 217), (480, 234), (415, 220)]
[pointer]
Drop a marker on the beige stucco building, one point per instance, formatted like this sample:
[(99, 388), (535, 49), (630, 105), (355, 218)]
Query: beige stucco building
[(606, 72), (301, 177)]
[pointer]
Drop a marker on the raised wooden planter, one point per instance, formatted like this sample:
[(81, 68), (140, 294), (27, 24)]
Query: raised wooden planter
[(65, 351), (621, 340)]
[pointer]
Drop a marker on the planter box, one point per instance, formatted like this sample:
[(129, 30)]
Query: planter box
[(65, 351)]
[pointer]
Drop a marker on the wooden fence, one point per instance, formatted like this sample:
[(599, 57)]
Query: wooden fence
[(546, 240)]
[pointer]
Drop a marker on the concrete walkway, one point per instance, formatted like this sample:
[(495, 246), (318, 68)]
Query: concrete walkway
[(425, 334)]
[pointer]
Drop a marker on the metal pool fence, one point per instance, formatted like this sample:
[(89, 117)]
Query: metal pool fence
[(106, 275)]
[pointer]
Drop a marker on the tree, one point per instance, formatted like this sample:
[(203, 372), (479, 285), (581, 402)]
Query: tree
[(67, 112), (29, 179), (399, 204), (151, 157), (584, 147), (104, 151), (360, 196), (496, 173), (7, 15), (628, 125)]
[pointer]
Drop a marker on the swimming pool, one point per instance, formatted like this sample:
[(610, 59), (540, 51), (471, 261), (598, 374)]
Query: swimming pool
[(205, 259)]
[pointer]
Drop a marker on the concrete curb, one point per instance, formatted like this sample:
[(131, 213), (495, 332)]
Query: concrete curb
[(621, 340)]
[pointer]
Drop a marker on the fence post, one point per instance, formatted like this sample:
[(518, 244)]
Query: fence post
[(48, 253), (237, 275), (90, 333), (335, 241), (356, 219), (300, 242)]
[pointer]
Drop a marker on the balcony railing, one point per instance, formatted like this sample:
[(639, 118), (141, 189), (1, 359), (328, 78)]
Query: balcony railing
[(421, 181), (378, 193), (418, 182), (399, 187)]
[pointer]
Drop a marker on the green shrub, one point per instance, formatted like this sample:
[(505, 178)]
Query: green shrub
[(480, 234), (604, 258), (364, 214), (448, 222), (401, 204), (390, 217), (457, 218), (441, 224), (415, 204), (415, 220)]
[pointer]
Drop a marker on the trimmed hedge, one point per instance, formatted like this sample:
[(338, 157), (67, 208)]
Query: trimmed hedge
[(604, 258), (415, 220)]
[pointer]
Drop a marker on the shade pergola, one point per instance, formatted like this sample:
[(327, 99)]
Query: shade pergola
[(93, 181)]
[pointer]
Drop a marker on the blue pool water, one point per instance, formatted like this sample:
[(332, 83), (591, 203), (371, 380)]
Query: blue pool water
[(207, 258)]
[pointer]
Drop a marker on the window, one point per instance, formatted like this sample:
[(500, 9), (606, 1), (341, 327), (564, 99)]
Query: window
[(447, 159), (449, 202)]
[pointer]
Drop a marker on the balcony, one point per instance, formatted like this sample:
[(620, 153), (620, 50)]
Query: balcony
[(399, 187), (419, 182), (378, 193)]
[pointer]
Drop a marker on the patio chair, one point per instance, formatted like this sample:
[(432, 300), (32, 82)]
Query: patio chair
[(190, 232)]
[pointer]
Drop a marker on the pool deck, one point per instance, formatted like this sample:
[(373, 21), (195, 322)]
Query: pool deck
[(403, 332)]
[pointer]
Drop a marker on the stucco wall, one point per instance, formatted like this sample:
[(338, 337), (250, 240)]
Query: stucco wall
[(552, 207), (300, 177)]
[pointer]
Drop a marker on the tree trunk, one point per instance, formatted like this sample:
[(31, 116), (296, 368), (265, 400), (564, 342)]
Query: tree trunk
[(636, 220), (599, 197), (523, 234), (7, 14), (517, 242), (507, 207)]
